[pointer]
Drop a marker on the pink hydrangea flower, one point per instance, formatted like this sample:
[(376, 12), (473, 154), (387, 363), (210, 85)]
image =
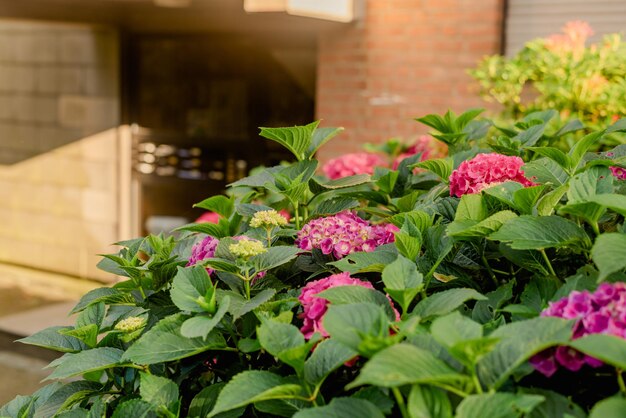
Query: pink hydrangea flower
[(343, 234), (351, 164), (600, 312), (427, 145), (208, 217), (314, 307), (202, 250), (618, 172), (485, 170)]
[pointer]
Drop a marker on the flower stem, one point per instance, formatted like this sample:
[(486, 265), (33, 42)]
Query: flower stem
[(620, 381), (296, 207), (488, 267), (246, 285), (547, 260), (400, 401)]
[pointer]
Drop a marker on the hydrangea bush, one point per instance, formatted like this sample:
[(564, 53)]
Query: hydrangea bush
[(485, 283)]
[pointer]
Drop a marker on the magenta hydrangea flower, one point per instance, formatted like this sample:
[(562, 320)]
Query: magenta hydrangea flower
[(314, 307), (600, 312), (618, 172), (425, 144), (202, 250), (343, 234), (486, 170), (351, 164)]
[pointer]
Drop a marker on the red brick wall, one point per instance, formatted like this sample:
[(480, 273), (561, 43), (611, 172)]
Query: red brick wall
[(405, 59)]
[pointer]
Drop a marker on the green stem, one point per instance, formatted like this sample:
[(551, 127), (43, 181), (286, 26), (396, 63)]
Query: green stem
[(246, 285), (488, 267), (595, 227), (269, 237), (400, 401), (430, 273), (620, 381), (477, 385), (547, 260), (296, 207), (452, 389)]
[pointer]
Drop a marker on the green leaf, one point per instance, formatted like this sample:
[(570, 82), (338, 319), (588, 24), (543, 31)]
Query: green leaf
[(93, 314), (63, 396), (504, 192), (164, 342), (52, 339), (588, 211), (441, 167), (385, 179), (608, 348), (342, 408), (87, 334), (107, 295), (472, 229), (190, 285), (158, 391), (274, 257), (402, 281), (547, 203), (201, 326), (219, 204), (597, 180), (135, 408), (609, 408), (328, 356), (409, 246), (554, 406), (544, 170), (219, 230), (219, 264), (285, 342), (442, 303), (526, 198), (536, 233), (403, 364), (497, 405), (471, 207), (518, 342), (334, 205), (205, 400), (530, 136), (296, 139), (344, 182), (341, 295), (556, 155), (351, 324), (253, 386), (582, 145), (615, 202), (428, 402), (239, 306), (608, 253), (87, 361), (363, 262), (74, 413), (320, 137), (455, 328)]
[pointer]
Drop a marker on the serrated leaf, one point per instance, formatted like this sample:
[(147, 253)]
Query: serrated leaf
[(592, 182), (320, 137), (52, 339), (65, 396), (497, 405), (444, 302), (546, 205), (164, 342), (441, 167), (328, 356), (526, 198), (544, 170), (362, 262), (107, 295), (135, 408), (608, 348), (158, 391), (472, 229), (342, 408), (340, 295), (253, 386), (239, 306), (615, 202), (428, 402), (335, 205), (518, 342), (582, 145), (87, 361), (221, 205), (205, 400), (608, 253), (274, 257), (344, 182), (556, 155), (609, 408), (403, 364), (455, 328), (296, 139), (93, 314), (219, 230), (402, 281), (281, 340), (350, 324), (471, 207), (190, 284), (201, 326), (536, 233)]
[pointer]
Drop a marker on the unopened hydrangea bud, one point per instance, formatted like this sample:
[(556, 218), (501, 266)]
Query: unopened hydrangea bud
[(267, 218), (246, 248), (130, 324)]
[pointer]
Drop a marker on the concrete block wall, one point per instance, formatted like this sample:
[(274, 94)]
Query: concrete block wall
[(404, 59), (59, 146)]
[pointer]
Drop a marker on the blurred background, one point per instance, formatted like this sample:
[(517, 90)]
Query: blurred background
[(117, 115)]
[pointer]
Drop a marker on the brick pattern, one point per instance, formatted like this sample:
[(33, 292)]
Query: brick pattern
[(59, 104), (405, 59)]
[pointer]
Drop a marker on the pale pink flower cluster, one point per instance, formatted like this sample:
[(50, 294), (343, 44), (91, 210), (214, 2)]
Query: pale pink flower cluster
[(425, 144), (202, 250), (486, 170), (352, 164), (573, 38), (600, 312), (315, 307), (343, 234)]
